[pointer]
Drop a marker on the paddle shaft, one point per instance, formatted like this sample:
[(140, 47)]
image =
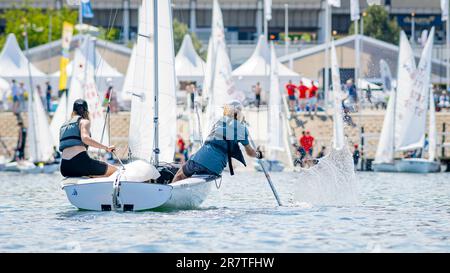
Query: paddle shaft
[(269, 180)]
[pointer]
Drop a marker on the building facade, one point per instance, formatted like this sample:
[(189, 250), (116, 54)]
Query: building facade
[(244, 18)]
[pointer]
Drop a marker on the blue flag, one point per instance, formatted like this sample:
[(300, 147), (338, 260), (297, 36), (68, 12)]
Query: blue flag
[(86, 9)]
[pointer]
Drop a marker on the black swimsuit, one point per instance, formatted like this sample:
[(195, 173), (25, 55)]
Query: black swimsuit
[(82, 165)]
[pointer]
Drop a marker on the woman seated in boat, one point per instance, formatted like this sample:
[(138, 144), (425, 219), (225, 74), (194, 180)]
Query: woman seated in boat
[(221, 145), (74, 140)]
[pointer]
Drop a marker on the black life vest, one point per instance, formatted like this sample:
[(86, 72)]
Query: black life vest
[(70, 134)]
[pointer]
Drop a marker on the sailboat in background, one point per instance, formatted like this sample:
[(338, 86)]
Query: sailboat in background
[(142, 184), (82, 86), (39, 141), (405, 121), (219, 82), (275, 127)]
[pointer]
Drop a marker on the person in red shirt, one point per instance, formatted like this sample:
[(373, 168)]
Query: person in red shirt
[(290, 88), (307, 142), (182, 151), (313, 95), (303, 95)]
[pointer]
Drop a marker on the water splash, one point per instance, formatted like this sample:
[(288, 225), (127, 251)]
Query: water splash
[(332, 182)]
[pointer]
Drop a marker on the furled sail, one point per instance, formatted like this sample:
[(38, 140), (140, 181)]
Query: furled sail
[(338, 95), (40, 140), (275, 119)]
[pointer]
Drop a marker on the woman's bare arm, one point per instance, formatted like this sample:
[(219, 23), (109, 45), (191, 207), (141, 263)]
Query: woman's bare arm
[(251, 152), (88, 140)]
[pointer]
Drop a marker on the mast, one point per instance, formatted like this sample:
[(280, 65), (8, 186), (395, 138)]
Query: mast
[(156, 83), (31, 95)]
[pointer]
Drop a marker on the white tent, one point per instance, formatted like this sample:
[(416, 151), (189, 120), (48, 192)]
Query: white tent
[(257, 69), (103, 70), (188, 65), (5, 90), (14, 65)]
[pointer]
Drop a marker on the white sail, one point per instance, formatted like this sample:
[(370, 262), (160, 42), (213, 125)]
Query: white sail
[(40, 141), (217, 36), (412, 95), (209, 67), (141, 136), (432, 134), (275, 131), (59, 118), (338, 96), (385, 149), (167, 83), (125, 95)]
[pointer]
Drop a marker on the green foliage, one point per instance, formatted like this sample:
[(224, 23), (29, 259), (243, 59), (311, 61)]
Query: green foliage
[(111, 34), (37, 21), (179, 30), (378, 25)]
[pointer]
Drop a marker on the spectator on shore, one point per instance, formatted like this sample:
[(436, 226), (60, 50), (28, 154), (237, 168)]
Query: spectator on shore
[(302, 96), (22, 92), (290, 89), (111, 98), (307, 142), (15, 95), (257, 90), (21, 142), (48, 96), (322, 152), (313, 98), (193, 95), (182, 150), (40, 94), (352, 94), (444, 101), (356, 155)]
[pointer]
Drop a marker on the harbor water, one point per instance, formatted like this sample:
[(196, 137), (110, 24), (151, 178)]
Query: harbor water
[(395, 213)]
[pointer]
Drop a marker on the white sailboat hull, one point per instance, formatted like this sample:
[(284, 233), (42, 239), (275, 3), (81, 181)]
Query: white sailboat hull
[(18, 167), (409, 165), (97, 194)]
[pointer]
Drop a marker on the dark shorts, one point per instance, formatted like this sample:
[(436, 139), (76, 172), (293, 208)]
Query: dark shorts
[(191, 167), (291, 97), (82, 165)]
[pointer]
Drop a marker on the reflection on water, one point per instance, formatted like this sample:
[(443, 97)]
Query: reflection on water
[(397, 212)]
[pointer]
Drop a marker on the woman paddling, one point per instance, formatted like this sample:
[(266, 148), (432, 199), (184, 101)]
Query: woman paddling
[(221, 145), (74, 140)]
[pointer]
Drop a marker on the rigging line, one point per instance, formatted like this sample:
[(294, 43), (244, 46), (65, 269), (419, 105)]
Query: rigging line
[(111, 22)]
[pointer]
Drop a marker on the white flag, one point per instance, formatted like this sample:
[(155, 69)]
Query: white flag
[(444, 7), (268, 9), (335, 3), (373, 2), (354, 10)]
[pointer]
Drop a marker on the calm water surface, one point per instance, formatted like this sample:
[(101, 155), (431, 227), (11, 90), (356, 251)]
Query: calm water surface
[(397, 213)]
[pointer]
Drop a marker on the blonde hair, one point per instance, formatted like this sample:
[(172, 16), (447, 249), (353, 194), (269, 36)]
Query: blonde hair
[(232, 111)]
